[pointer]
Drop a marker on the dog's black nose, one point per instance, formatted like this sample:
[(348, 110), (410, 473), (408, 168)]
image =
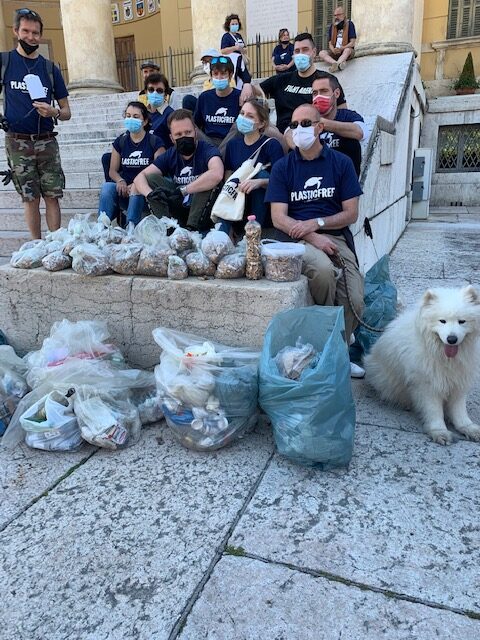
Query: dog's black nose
[(452, 339)]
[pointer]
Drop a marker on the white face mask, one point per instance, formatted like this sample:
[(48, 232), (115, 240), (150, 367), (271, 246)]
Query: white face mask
[(304, 137), (206, 68)]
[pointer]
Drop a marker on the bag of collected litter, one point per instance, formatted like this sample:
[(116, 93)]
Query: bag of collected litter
[(124, 257), (153, 260), (209, 391), (56, 261), (51, 425), (380, 298), (85, 227), (199, 265), (231, 266), (291, 361), (313, 417), (29, 258), (149, 405), (12, 384), (90, 260), (181, 239), (105, 420), (177, 269), (152, 230), (217, 244)]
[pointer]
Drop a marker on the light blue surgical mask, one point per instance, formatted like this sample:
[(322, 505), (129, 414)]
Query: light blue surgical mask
[(245, 125), (302, 61), (234, 28), (155, 99), (133, 124), (220, 83)]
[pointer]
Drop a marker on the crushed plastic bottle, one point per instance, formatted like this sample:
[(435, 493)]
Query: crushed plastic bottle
[(253, 235)]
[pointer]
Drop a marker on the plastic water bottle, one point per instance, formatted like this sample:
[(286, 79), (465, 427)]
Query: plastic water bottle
[(253, 234)]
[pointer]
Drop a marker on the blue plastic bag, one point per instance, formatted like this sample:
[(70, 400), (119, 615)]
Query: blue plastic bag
[(313, 417), (380, 297)]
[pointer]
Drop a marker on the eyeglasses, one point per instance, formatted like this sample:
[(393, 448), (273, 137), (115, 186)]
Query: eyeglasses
[(158, 90), (303, 123), (26, 12), (219, 59)]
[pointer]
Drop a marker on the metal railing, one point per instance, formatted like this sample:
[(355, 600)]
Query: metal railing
[(176, 65)]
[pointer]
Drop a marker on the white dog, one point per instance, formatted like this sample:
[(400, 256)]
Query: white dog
[(427, 359)]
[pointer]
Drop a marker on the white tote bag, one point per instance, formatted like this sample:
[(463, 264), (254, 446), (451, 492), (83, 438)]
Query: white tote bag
[(230, 203)]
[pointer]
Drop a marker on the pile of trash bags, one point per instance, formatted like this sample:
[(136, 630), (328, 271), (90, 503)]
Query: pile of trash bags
[(94, 247), (81, 390), (209, 391), (305, 386), (13, 385)]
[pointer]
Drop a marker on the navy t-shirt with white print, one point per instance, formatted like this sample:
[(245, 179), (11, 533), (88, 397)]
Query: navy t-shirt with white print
[(349, 146), (183, 172), (214, 114), (135, 157), (21, 116), (237, 152), (313, 188)]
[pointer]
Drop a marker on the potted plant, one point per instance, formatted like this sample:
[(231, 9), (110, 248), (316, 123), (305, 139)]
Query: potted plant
[(467, 82)]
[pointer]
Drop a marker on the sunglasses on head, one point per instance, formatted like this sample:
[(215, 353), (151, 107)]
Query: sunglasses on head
[(158, 90), (27, 12), (219, 59), (303, 123)]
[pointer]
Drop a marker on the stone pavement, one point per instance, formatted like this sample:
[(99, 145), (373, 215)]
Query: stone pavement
[(160, 542)]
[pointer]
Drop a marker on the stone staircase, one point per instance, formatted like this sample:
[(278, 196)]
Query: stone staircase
[(95, 123)]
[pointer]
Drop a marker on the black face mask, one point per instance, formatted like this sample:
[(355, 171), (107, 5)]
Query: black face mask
[(28, 48), (339, 25), (185, 145)]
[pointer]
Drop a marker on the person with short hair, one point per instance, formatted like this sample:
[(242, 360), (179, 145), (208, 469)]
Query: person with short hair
[(157, 91), (179, 183), (343, 129), (314, 193), (341, 41), (132, 151), (290, 90), (32, 150), (282, 55), (218, 108)]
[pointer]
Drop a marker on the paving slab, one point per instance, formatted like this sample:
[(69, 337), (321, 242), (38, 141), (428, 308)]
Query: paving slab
[(116, 549), (404, 518), (246, 600), (27, 473)]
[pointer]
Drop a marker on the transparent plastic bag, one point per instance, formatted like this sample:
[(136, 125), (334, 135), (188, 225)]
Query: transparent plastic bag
[(231, 266), (216, 245), (60, 235), (50, 424), (209, 391), (177, 269), (106, 421), (90, 260), (53, 245), (291, 361), (313, 418), (124, 257), (181, 239), (85, 227), (152, 231), (148, 404), (12, 384), (29, 258), (153, 260), (199, 265), (56, 261)]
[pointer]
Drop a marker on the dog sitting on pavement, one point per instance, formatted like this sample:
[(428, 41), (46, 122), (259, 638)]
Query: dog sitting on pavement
[(427, 359)]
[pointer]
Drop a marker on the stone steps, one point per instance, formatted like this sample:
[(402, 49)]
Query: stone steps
[(72, 199), (14, 220), (11, 241)]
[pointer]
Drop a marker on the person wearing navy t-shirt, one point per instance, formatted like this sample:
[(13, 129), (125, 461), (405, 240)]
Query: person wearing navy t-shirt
[(251, 123), (282, 55), (314, 194), (131, 153), (157, 90), (180, 182), (32, 151), (218, 108), (341, 41)]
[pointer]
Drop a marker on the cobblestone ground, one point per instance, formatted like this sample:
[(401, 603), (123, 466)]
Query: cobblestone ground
[(160, 542)]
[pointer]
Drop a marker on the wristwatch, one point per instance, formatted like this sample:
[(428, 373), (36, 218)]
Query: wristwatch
[(320, 222), (183, 191)]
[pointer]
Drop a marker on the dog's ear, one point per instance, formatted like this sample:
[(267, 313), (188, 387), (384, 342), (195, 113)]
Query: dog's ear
[(471, 295), (429, 297)]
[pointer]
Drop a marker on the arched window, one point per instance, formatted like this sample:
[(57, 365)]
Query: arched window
[(463, 18)]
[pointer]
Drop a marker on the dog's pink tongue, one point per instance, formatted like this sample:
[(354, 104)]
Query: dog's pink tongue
[(451, 350)]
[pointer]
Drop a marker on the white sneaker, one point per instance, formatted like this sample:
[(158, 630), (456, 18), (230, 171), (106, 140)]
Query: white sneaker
[(356, 371)]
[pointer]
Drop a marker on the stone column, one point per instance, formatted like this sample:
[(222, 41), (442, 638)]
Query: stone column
[(388, 26), (88, 34), (3, 36), (207, 28)]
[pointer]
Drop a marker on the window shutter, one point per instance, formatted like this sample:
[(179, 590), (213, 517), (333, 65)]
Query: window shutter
[(323, 18), (476, 19), (464, 22), (452, 19)]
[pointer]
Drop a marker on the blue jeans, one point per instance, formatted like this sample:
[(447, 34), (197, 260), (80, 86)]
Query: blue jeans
[(254, 205), (112, 203)]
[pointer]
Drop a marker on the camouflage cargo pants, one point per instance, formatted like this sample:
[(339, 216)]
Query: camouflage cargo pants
[(36, 168)]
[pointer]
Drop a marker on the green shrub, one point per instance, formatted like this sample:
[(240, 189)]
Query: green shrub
[(467, 79)]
